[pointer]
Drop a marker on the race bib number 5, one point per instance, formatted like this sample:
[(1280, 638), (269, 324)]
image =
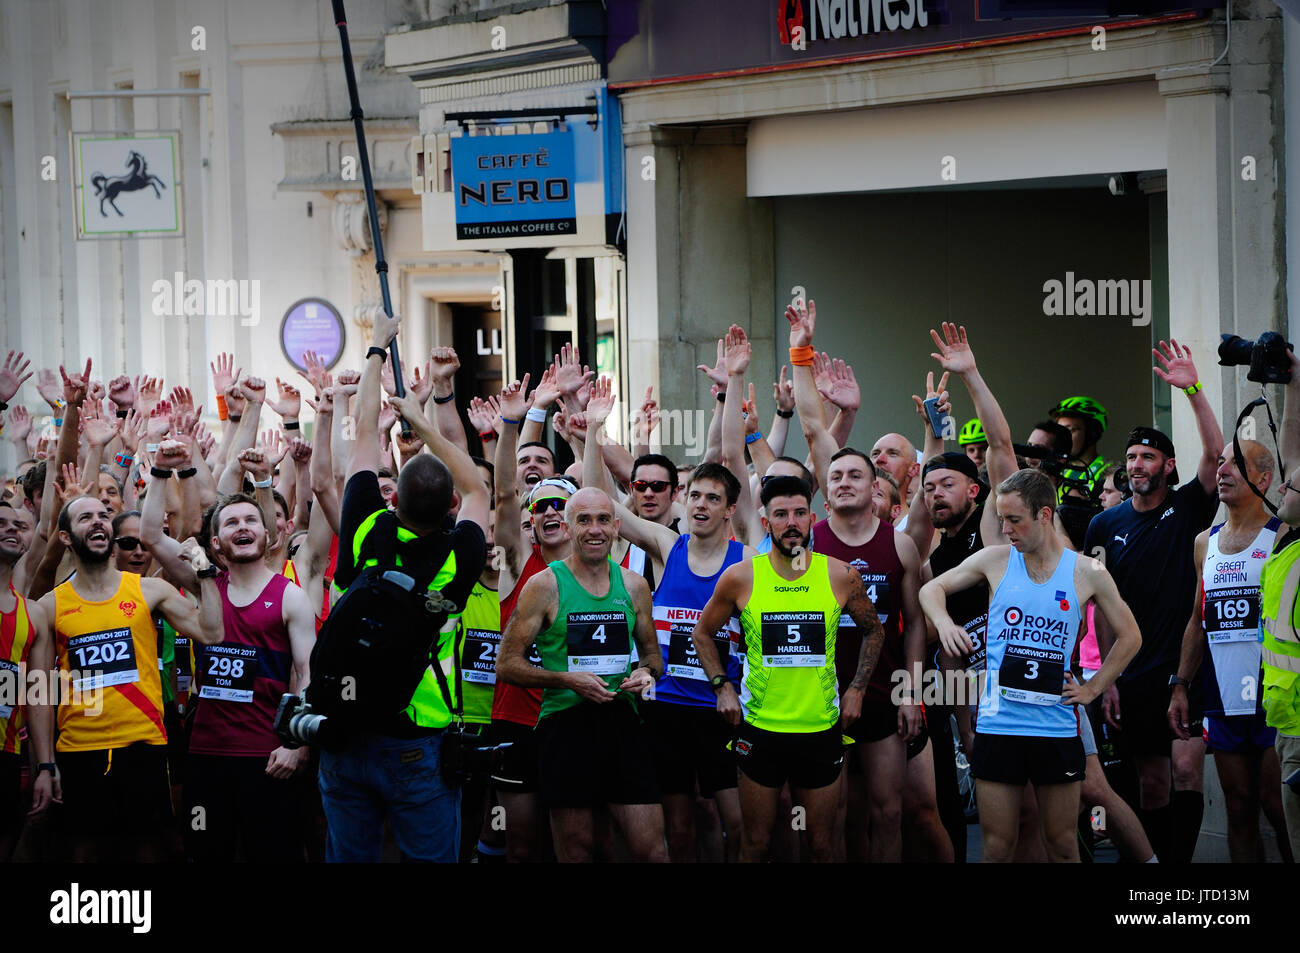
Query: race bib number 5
[(598, 642), (228, 673), (793, 639), (103, 659)]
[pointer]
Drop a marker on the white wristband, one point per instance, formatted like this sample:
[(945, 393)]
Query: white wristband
[(263, 484), (537, 414)]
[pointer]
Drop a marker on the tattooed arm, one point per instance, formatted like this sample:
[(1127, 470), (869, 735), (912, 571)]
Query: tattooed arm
[(852, 596)]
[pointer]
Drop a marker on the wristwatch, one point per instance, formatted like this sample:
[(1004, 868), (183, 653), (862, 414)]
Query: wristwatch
[(717, 681), (1178, 680), (207, 572), (49, 766)]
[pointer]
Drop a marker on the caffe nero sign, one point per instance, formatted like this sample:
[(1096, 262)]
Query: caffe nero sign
[(662, 40)]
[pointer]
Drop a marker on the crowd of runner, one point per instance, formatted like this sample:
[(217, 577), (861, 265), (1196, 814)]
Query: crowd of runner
[(754, 657)]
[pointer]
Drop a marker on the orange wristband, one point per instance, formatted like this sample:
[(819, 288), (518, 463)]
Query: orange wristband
[(802, 356), (222, 412)]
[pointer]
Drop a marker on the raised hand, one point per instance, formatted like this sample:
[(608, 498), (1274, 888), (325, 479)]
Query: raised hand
[(316, 374), (444, 363), (420, 387), (843, 390), (408, 448), (560, 422), (95, 427), (47, 385), (288, 403), (406, 407), (385, 330), (75, 387), (386, 378), (254, 461), (803, 322), (939, 390), (646, 418), (18, 424), (122, 392), (173, 455), (821, 367), (955, 354), (718, 372), (783, 391), (548, 388), (95, 392), (205, 441), (387, 417), (736, 350), (601, 404), (274, 446), (481, 416), (570, 374), (224, 373), (160, 422), (254, 390), (182, 399), (514, 404), (150, 390), (299, 451), (750, 409), (12, 375), (1179, 368), (235, 401)]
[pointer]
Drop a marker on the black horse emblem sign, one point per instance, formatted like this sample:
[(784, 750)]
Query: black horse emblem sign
[(108, 188)]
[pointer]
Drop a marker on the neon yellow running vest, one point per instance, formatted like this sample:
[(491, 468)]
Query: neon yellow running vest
[(1280, 621), (789, 627)]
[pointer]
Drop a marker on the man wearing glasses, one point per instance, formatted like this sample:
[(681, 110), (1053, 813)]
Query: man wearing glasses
[(654, 484)]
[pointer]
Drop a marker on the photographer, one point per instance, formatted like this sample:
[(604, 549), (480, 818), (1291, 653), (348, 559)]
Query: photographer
[(396, 767)]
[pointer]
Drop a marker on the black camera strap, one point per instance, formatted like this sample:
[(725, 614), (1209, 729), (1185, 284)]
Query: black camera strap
[(1239, 458)]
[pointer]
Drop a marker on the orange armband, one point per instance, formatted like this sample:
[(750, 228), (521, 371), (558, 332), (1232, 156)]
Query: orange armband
[(802, 356)]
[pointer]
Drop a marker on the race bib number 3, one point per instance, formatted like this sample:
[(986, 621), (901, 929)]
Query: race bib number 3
[(1232, 615), (683, 662), (479, 659), (1034, 676), (228, 672), (103, 659), (793, 639), (598, 642)]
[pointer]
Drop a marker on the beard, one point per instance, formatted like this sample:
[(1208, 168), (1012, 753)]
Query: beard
[(953, 517), (241, 559), (789, 548), (88, 556)]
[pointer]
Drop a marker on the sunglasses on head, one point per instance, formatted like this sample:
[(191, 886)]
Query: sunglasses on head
[(549, 503), (658, 486), (128, 544)]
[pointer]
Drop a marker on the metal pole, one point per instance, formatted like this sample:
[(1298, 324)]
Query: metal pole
[(381, 266)]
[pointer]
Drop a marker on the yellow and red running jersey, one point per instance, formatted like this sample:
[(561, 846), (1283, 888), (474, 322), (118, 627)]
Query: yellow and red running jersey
[(15, 639)]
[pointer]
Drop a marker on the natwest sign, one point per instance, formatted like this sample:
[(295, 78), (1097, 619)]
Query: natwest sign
[(836, 19)]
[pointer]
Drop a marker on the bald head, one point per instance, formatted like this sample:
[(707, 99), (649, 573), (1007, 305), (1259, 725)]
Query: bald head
[(894, 454), (1231, 488), (592, 524)]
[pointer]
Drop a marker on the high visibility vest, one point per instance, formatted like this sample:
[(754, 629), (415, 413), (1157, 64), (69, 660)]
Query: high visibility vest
[(1280, 623), (428, 708)]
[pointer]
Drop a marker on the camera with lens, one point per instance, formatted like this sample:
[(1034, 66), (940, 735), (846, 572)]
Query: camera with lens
[(298, 724), (463, 759), (1267, 357)]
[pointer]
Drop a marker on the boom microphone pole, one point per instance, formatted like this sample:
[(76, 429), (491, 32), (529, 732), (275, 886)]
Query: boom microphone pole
[(381, 266)]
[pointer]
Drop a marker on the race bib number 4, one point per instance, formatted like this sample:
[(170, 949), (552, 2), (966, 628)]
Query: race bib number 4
[(8, 687), (479, 659), (1034, 676), (683, 662), (103, 659), (793, 639), (598, 642), (228, 672), (1232, 615)]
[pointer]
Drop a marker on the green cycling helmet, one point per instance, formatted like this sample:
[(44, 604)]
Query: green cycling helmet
[(1081, 407), (972, 432)]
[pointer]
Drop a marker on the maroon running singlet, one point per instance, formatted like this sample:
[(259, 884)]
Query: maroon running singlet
[(882, 573)]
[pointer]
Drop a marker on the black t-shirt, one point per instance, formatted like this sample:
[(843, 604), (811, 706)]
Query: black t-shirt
[(361, 499), (970, 604), (1150, 557)]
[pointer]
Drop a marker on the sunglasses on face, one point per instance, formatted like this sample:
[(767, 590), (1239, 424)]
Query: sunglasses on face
[(128, 544), (550, 503), (657, 486)]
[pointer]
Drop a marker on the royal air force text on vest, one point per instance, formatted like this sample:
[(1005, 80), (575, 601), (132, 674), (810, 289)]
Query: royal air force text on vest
[(1035, 628)]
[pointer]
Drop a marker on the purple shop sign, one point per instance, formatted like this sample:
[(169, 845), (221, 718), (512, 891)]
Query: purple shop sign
[(312, 324)]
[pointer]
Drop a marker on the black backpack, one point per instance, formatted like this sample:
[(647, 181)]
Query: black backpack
[(373, 649)]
